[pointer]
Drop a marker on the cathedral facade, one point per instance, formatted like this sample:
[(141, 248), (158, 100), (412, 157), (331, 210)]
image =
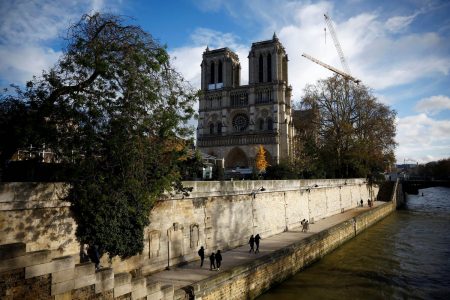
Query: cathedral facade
[(235, 119)]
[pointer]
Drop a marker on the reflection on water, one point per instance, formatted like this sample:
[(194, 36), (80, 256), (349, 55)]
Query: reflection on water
[(405, 256)]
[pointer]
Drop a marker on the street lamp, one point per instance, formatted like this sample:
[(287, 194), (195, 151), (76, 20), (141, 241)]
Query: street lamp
[(253, 193)]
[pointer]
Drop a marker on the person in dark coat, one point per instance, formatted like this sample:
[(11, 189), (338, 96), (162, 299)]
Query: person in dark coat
[(252, 244), (201, 253), (257, 239), (212, 260), (218, 260), (94, 256)]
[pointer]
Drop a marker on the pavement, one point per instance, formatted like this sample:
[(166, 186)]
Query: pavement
[(187, 274)]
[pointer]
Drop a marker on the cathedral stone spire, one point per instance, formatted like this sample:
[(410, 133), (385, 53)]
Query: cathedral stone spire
[(274, 36)]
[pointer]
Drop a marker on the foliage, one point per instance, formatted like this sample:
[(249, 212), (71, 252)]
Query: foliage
[(118, 111), (434, 170), (353, 133), (21, 124), (280, 172), (261, 161)]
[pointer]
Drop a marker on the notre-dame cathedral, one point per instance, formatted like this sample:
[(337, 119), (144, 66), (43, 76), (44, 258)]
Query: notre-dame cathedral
[(235, 119)]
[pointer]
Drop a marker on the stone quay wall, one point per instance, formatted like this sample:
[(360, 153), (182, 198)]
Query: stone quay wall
[(251, 280), (38, 247)]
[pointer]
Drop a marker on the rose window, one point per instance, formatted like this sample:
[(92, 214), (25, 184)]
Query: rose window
[(240, 122)]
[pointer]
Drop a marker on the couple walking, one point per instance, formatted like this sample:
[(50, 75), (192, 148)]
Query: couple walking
[(253, 241), (214, 259)]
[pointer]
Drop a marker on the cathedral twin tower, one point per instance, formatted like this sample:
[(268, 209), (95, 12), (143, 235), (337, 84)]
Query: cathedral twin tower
[(235, 119)]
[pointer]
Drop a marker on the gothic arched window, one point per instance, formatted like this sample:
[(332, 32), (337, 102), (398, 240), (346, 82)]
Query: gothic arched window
[(269, 68), (261, 124), (211, 128), (269, 124), (219, 76), (219, 128), (212, 70), (260, 68)]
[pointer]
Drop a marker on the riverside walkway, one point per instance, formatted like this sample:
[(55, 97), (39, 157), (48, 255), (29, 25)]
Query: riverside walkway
[(181, 276)]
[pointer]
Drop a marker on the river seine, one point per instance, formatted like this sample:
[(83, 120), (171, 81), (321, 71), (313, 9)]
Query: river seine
[(404, 256)]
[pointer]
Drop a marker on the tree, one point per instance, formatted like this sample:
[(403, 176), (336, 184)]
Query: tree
[(261, 161), (119, 113), (439, 170), (355, 133)]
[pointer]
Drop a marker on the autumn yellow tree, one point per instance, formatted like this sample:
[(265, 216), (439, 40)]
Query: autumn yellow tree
[(261, 161)]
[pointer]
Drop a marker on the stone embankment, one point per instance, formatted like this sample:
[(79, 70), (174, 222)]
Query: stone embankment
[(39, 253), (246, 275)]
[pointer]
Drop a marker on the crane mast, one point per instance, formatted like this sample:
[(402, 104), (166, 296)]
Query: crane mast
[(337, 44), (337, 71)]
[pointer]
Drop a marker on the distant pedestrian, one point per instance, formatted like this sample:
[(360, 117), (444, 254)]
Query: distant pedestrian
[(212, 261), (218, 260), (252, 244), (305, 226), (361, 203), (201, 253), (257, 239), (303, 222), (84, 257), (94, 256)]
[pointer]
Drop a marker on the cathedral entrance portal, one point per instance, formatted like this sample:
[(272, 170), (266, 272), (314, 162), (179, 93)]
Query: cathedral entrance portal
[(236, 158)]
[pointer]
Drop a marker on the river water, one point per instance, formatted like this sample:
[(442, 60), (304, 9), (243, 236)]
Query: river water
[(404, 256)]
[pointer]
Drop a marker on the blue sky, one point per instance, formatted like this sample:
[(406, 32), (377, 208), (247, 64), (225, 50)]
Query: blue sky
[(400, 49)]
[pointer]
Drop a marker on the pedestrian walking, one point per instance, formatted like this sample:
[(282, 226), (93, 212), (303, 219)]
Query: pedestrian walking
[(201, 253), (94, 256), (257, 239), (84, 257), (218, 260), (252, 244), (305, 225), (212, 261)]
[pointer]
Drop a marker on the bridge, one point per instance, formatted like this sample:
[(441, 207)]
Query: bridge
[(413, 186)]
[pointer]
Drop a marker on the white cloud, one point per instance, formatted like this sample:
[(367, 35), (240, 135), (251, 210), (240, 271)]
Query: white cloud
[(423, 138), (19, 65), (187, 60), (433, 105), (399, 23), (27, 30)]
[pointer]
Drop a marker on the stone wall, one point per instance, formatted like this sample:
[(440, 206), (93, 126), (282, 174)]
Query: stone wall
[(250, 280), (38, 241)]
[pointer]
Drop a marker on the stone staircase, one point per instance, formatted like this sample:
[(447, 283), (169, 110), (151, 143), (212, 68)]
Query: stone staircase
[(39, 275)]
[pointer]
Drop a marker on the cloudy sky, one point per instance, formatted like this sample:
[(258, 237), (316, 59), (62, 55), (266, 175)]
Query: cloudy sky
[(400, 49)]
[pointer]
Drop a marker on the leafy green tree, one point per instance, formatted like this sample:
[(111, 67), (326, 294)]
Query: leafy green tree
[(119, 113), (355, 133)]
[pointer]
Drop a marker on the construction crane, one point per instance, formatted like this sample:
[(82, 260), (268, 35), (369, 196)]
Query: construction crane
[(337, 44), (343, 74), (346, 73)]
